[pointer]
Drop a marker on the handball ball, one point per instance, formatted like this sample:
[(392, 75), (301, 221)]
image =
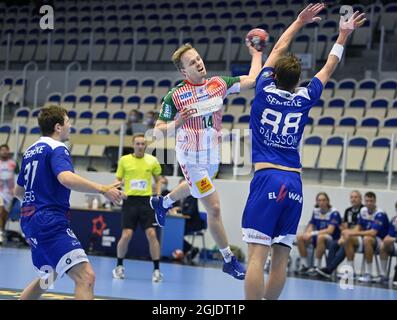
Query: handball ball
[(177, 254), (258, 38)]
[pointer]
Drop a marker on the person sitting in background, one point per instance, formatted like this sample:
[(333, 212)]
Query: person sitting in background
[(150, 119), (322, 229), (133, 117), (367, 236), (336, 252), (389, 248)]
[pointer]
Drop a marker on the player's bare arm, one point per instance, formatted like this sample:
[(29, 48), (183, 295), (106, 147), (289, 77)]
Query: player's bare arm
[(345, 29), (74, 182), (329, 230), (351, 232), (19, 192), (248, 82), (369, 233), (308, 15)]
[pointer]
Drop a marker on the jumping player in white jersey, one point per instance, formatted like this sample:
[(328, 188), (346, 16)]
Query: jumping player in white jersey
[(43, 186), (278, 116), (194, 110)]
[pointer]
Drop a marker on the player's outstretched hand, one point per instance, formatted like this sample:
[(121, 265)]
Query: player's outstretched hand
[(308, 15), (252, 50), (352, 23), (112, 193)]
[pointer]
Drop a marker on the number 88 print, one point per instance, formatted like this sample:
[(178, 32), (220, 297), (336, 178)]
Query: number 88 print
[(278, 117)]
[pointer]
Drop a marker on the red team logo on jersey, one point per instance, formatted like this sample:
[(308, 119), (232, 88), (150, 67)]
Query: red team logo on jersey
[(282, 193)]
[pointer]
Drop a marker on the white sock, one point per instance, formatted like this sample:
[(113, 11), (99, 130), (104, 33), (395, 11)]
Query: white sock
[(167, 202), (368, 268), (383, 266), (350, 263), (306, 261), (227, 254), (317, 263)]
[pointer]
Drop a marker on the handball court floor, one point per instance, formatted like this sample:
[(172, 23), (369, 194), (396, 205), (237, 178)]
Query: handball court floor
[(180, 282)]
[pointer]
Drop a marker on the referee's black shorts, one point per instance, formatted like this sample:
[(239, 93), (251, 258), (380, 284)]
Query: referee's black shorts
[(137, 209)]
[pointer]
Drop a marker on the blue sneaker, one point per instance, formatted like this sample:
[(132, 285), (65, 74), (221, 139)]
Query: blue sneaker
[(234, 268), (156, 202)]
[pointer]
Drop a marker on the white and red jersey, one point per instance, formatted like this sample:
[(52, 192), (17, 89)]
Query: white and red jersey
[(202, 132), (7, 179)]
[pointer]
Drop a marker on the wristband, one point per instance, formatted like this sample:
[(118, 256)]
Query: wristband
[(337, 50), (103, 190), (314, 233)]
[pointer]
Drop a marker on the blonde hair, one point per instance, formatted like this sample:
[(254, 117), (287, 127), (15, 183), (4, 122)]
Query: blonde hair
[(176, 57)]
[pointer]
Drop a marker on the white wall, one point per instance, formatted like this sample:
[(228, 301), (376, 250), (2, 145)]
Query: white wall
[(233, 196)]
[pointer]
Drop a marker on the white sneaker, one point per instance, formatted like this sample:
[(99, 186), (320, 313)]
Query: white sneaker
[(157, 276), (1, 237), (365, 278), (118, 272)]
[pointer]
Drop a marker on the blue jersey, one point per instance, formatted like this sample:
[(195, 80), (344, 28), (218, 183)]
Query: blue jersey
[(278, 119), (42, 163), (393, 227), (377, 220), (321, 220)]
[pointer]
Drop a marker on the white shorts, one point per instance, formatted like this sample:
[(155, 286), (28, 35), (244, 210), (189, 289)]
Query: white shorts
[(255, 236), (66, 263), (361, 244), (199, 176)]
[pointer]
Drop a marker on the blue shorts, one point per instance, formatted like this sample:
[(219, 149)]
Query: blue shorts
[(273, 208), (53, 244)]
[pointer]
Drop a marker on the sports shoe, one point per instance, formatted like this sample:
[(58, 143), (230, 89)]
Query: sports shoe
[(312, 272), (1, 237), (118, 272), (156, 202), (234, 268), (157, 276), (302, 270), (380, 279), (324, 272), (367, 278)]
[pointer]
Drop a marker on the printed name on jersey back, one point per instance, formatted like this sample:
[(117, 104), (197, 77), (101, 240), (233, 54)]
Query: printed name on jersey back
[(290, 103), (279, 141), (31, 152)]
